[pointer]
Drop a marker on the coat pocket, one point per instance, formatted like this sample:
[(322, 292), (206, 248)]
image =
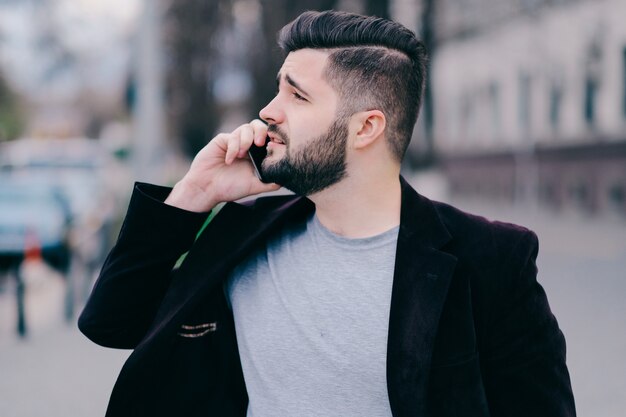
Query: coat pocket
[(456, 390), (188, 372)]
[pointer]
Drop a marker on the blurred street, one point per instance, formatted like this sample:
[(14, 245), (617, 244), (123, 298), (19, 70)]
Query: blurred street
[(58, 372), (54, 371)]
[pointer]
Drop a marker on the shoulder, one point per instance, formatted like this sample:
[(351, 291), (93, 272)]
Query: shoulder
[(497, 258), (477, 237)]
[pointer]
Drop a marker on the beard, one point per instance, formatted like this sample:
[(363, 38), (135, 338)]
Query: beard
[(316, 166)]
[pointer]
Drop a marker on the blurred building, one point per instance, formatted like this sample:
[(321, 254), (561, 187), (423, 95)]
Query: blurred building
[(530, 101)]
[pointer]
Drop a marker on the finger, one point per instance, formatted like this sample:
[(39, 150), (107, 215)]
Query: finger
[(260, 132), (220, 140), (245, 140), (233, 148)]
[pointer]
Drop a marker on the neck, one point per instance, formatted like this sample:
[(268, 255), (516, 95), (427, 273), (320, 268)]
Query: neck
[(357, 208)]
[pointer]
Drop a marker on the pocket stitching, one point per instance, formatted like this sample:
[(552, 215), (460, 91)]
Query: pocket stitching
[(197, 330)]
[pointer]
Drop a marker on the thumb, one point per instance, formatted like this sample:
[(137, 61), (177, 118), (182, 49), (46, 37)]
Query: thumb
[(258, 187)]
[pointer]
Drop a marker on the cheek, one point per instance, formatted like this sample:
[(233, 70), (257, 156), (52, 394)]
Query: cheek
[(309, 122), (306, 123)]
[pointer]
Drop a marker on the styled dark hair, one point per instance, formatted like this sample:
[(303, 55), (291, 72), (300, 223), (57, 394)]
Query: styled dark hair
[(374, 63)]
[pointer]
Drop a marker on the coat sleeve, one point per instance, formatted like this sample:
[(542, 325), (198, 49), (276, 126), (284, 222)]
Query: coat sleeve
[(524, 368), (138, 270)]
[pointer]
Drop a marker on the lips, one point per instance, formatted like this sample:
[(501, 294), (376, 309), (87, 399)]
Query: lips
[(276, 139), (276, 135)]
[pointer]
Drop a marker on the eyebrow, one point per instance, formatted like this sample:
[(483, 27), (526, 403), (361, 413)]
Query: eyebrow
[(293, 83)]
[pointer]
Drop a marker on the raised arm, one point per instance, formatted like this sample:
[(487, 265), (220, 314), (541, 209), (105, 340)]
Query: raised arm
[(160, 226)]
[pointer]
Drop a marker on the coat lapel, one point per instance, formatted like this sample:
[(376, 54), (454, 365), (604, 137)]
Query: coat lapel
[(420, 285)]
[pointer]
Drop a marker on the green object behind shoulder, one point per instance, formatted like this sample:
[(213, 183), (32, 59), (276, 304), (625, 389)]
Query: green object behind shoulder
[(210, 217)]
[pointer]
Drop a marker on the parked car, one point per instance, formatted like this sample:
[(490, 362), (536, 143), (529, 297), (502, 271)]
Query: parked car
[(34, 218), (84, 173)]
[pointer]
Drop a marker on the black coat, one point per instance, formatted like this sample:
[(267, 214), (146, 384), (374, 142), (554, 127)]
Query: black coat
[(470, 330)]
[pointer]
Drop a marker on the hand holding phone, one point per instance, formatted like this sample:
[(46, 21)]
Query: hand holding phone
[(220, 171)]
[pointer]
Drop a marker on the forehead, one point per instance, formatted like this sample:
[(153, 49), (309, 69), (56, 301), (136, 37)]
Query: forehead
[(306, 66)]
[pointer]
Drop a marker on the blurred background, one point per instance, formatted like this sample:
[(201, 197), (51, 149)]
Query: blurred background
[(524, 120)]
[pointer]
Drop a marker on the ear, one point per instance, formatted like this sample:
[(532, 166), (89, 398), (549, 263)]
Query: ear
[(369, 126)]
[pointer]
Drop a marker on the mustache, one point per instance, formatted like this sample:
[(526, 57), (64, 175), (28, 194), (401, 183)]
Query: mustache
[(271, 128)]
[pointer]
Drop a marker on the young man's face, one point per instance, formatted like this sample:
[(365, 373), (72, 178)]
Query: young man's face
[(308, 142)]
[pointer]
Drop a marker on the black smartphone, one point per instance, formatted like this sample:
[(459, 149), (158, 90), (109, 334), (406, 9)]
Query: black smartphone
[(257, 155)]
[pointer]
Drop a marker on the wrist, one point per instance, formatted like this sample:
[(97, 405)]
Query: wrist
[(190, 197)]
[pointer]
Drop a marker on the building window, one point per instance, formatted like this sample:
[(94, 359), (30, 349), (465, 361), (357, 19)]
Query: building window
[(617, 197), (556, 96), (591, 90), (624, 81), (494, 100), (466, 114), (524, 104)]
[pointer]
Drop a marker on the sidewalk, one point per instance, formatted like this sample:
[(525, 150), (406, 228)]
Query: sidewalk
[(57, 373)]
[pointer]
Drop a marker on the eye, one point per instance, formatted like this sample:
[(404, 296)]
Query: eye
[(298, 96)]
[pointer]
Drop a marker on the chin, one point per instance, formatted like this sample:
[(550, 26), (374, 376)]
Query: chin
[(269, 161), (273, 157)]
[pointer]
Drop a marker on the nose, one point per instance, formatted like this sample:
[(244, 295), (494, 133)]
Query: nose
[(271, 113)]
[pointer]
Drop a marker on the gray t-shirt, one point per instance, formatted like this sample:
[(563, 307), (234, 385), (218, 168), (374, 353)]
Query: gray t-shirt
[(311, 314)]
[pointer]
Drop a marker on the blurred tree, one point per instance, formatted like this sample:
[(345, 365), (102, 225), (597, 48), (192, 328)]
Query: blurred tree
[(11, 116), (190, 26), (428, 35), (266, 57), (378, 8), (191, 37)]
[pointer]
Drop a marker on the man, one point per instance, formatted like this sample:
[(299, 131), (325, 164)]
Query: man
[(357, 296)]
